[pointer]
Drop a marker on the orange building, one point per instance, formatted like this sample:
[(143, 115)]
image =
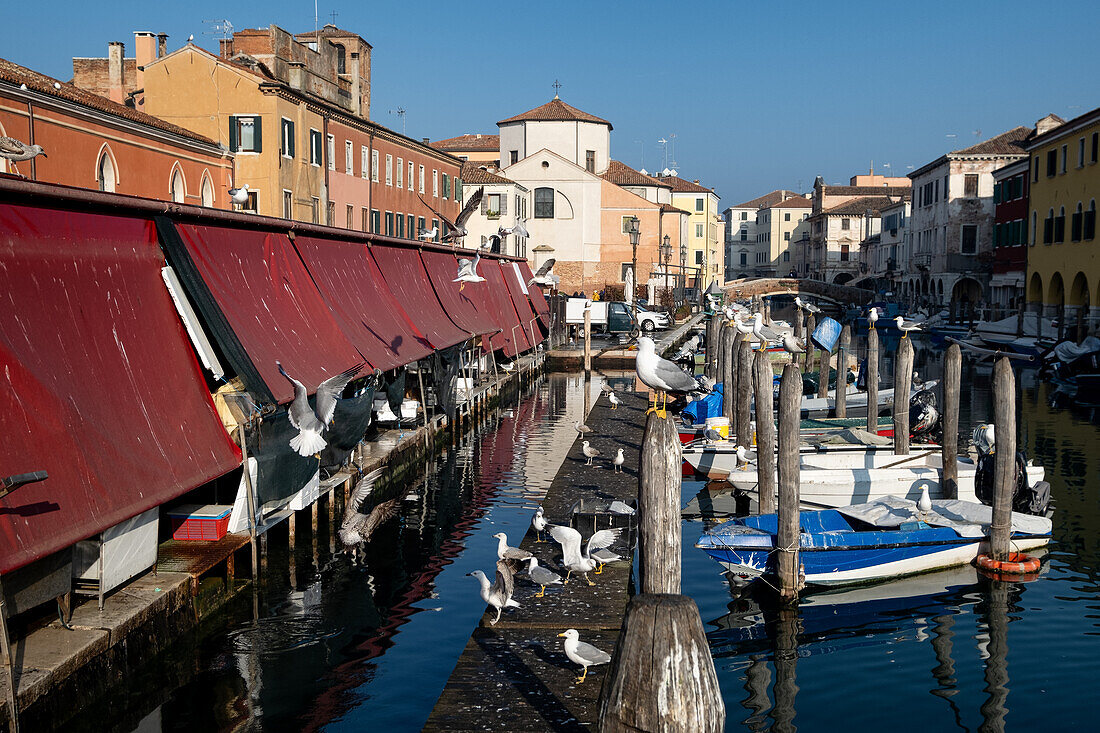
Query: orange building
[(93, 142)]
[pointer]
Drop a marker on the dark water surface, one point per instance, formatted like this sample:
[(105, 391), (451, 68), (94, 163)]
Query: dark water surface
[(342, 648)]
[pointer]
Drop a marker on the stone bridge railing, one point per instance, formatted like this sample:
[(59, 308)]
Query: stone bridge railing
[(841, 294)]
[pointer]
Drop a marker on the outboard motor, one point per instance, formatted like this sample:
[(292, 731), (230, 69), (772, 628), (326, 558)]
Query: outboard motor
[(1025, 499)]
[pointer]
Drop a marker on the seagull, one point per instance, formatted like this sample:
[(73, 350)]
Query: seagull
[(467, 271), (576, 561), (458, 226), (191, 38), (581, 428), (539, 523), (22, 87), (660, 375), (742, 327), (499, 594), (542, 576), (310, 423), (357, 528), (712, 435), (614, 400), (807, 306), (582, 653), (239, 196), (794, 345), (428, 234), (706, 384), (508, 367), (872, 316), (906, 326), (589, 452), (745, 457), (57, 85), (618, 460), (605, 387), (17, 150), (603, 557), (544, 277), (517, 228), (764, 333), (924, 504), (504, 552)]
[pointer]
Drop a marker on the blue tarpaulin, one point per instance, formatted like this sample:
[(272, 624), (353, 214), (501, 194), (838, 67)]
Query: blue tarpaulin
[(709, 406)]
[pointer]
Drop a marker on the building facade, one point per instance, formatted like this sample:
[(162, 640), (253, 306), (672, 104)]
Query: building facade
[(780, 228), (476, 148), (705, 247), (841, 218), (504, 202), (93, 142), (741, 243), (887, 254), (1010, 231)]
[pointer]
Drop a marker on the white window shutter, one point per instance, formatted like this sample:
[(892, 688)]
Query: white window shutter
[(503, 204)]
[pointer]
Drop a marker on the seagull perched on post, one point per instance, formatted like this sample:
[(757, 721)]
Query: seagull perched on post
[(582, 653), (806, 306), (793, 345), (764, 333), (499, 594), (742, 328), (467, 271), (661, 375), (872, 317), (310, 423), (17, 150), (573, 558), (589, 452), (458, 227), (239, 196), (543, 276), (906, 326), (357, 528)]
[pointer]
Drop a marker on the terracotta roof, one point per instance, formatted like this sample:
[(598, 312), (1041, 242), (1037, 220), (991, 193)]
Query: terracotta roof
[(792, 202), (623, 175), (679, 185), (859, 206), (15, 74), (1007, 143), (555, 111), (473, 173), (469, 144), (670, 209)]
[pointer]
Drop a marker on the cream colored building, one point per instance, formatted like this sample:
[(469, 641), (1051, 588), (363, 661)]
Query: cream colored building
[(704, 243)]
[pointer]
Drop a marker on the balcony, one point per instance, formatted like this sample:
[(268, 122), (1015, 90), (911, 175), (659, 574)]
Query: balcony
[(923, 260)]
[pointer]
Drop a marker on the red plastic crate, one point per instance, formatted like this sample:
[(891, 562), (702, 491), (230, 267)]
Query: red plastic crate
[(193, 522)]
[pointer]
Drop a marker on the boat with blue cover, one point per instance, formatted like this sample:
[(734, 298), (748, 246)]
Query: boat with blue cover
[(866, 543)]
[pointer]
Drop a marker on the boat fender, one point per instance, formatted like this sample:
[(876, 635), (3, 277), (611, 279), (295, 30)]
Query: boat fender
[(1017, 564)]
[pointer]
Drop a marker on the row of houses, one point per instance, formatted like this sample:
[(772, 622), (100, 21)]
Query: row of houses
[(976, 228)]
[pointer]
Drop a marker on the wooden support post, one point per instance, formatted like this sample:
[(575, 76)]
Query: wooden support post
[(811, 325), (729, 349), (903, 381), (743, 406), (998, 605), (250, 504), (952, 385), (798, 327), (713, 345), (1022, 306), (841, 404), (823, 374), (768, 311), (765, 432), (662, 675), (1061, 321), (1004, 466), (786, 664), (659, 507), (588, 342), (331, 506), (872, 381), (787, 565), (292, 555)]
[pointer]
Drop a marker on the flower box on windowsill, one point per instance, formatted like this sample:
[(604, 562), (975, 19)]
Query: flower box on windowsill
[(492, 214)]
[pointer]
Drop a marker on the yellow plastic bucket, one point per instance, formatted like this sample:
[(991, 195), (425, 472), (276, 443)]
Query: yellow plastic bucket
[(720, 424)]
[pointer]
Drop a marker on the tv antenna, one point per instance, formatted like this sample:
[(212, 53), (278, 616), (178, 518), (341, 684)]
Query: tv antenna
[(222, 28), (400, 112), (672, 142), (664, 144)]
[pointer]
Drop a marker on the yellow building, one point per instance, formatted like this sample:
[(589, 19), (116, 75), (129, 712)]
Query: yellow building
[(1063, 259), (704, 244)]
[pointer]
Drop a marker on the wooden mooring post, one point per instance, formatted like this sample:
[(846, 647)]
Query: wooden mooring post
[(787, 562), (765, 432), (730, 337), (841, 404), (808, 357), (659, 507), (743, 406), (786, 667), (823, 374), (1004, 466), (903, 380), (872, 381), (952, 385), (713, 346), (588, 342)]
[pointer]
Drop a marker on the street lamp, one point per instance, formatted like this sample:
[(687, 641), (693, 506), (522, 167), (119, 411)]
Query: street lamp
[(666, 255), (683, 270), (635, 233)]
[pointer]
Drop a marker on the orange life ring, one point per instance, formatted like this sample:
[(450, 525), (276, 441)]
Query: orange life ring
[(1017, 564)]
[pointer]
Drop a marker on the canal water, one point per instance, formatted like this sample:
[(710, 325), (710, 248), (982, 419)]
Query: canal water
[(344, 647)]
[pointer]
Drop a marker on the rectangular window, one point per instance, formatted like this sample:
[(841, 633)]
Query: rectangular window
[(699, 230), (786, 216), (970, 185), (374, 166), (316, 148), (969, 244), (1065, 154), (844, 253), (1075, 226), (389, 223), (435, 182), (513, 156), (389, 169), (492, 205), (244, 135), (411, 176), (1093, 153), (744, 235), (1060, 226), (699, 204), (364, 219), (315, 209), (330, 213), (400, 173), (744, 215), (1035, 169), (420, 225), (349, 157), (786, 236), (421, 186), (286, 143), (544, 203), (744, 258), (375, 221), (364, 162), (458, 194), (411, 221), (400, 226), (331, 144), (446, 186), (288, 204), (699, 256), (1090, 223), (590, 161), (350, 216), (846, 224), (1048, 228), (1052, 163), (1081, 153)]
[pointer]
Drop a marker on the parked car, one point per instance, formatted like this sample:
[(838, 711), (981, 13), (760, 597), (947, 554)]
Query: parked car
[(614, 316)]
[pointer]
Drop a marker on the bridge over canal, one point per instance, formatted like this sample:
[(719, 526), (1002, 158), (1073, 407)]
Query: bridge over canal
[(839, 294)]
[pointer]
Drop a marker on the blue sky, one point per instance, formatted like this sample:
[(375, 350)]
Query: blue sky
[(759, 95)]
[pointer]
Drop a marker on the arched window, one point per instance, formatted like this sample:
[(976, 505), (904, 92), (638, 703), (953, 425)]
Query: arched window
[(544, 203), (341, 59), (179, 191), (105, 171), (207, 191)]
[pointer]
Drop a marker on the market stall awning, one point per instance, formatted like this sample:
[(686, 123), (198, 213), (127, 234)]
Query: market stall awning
[(365, 308), (517, 288), (512, 337), (406, 277), (534, 292), (465, 307), (100, 386), (262, 306)]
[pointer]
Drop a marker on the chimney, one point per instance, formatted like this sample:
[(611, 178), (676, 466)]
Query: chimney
[(116, 50), (145, 53), (427, 140), (226, 48), (162, 44), (1047, 124)]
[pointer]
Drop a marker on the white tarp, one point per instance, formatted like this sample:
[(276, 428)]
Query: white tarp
[(1067, 351), (967, 518)]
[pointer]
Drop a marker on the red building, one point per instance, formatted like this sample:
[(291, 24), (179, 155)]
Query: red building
[(93, 142), (1010, 199)]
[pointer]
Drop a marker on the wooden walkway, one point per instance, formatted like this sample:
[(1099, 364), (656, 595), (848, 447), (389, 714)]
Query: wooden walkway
[(515, 676)]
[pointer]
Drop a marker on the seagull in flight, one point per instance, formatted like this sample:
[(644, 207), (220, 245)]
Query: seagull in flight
[(544, 277), (764, 333), (310, 423), (357, 527), (458, 227), (428, 234), (517, 228), (467, 271), (806, 306), (573, 558), (906, 326)]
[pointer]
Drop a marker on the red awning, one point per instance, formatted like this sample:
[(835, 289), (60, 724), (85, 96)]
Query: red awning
[(465, 307), (517, 288), (534, 292), (405, 275), (101, 388), (272, 306), (367, 311), (512, 338)]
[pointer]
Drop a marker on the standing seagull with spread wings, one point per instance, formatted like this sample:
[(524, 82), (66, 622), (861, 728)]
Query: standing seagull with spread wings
[(457, 228), (310, 424), (357, 527)]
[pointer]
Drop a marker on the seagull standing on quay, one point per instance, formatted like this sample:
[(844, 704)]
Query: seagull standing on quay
[(589, 452), (906, 326), (573, 559), (458, 227), (499, 594), (618, 461), (766, 334), (539, 523), (661, 375), (581, 428), (614, 400), (542, 576), (310, 424), (504, 552), (582, 653)]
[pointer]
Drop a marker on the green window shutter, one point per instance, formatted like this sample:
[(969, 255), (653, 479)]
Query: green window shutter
[(232, 134), (290, 132), (257, 128)]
